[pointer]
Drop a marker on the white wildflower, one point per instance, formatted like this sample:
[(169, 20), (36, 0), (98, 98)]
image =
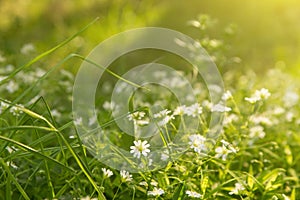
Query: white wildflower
[(109, 105), (107, 173), (220, 108), (278, 110), (78, 121), (193, 110), (207, 104), (180, 110), (257, 131), (15, 110), (12, 86), (156, 192), (27, 48), (227, 95), (197, 143), (125, 176), (153, 183), (230, 118), (222, 152), (260, 120), (261, 94), (162, 113), (193, 194), (140, 148), (238, 188), (144, 183), (136, 115), (290, 98), (252, 100), (289, 116)]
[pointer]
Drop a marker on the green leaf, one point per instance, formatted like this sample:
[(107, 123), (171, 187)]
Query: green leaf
[(179, 193)]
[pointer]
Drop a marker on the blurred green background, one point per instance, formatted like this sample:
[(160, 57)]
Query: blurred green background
[(267, 33)]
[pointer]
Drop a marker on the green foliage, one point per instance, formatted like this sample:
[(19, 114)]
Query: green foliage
[(42, 156)]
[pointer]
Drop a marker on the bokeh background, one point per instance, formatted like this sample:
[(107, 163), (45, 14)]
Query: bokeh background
[(267, 33)]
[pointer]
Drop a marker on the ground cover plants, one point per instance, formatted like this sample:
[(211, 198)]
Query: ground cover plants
[(255, 156)]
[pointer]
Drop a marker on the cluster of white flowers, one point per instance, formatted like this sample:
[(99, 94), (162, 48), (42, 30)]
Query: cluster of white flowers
[(140, 148), (260, 119), (259, 95), (197, 143), (138, 117), (15, 110)]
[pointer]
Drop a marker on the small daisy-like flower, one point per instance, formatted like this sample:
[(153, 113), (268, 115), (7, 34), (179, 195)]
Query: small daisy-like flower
[(140, 148), (162, 113), (238, 188), (227, 95), (144, 183), (222, 152), (179, 110), (197, 143), (262, 93), (193, 194), (107, 173), (156, 192), (125, 176)]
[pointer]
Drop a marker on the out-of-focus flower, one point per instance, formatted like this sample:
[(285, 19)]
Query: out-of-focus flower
[(257, 131), (261, 94), (193, 194), (27, 48), (12, 86), (220, 108), (238, 188)]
